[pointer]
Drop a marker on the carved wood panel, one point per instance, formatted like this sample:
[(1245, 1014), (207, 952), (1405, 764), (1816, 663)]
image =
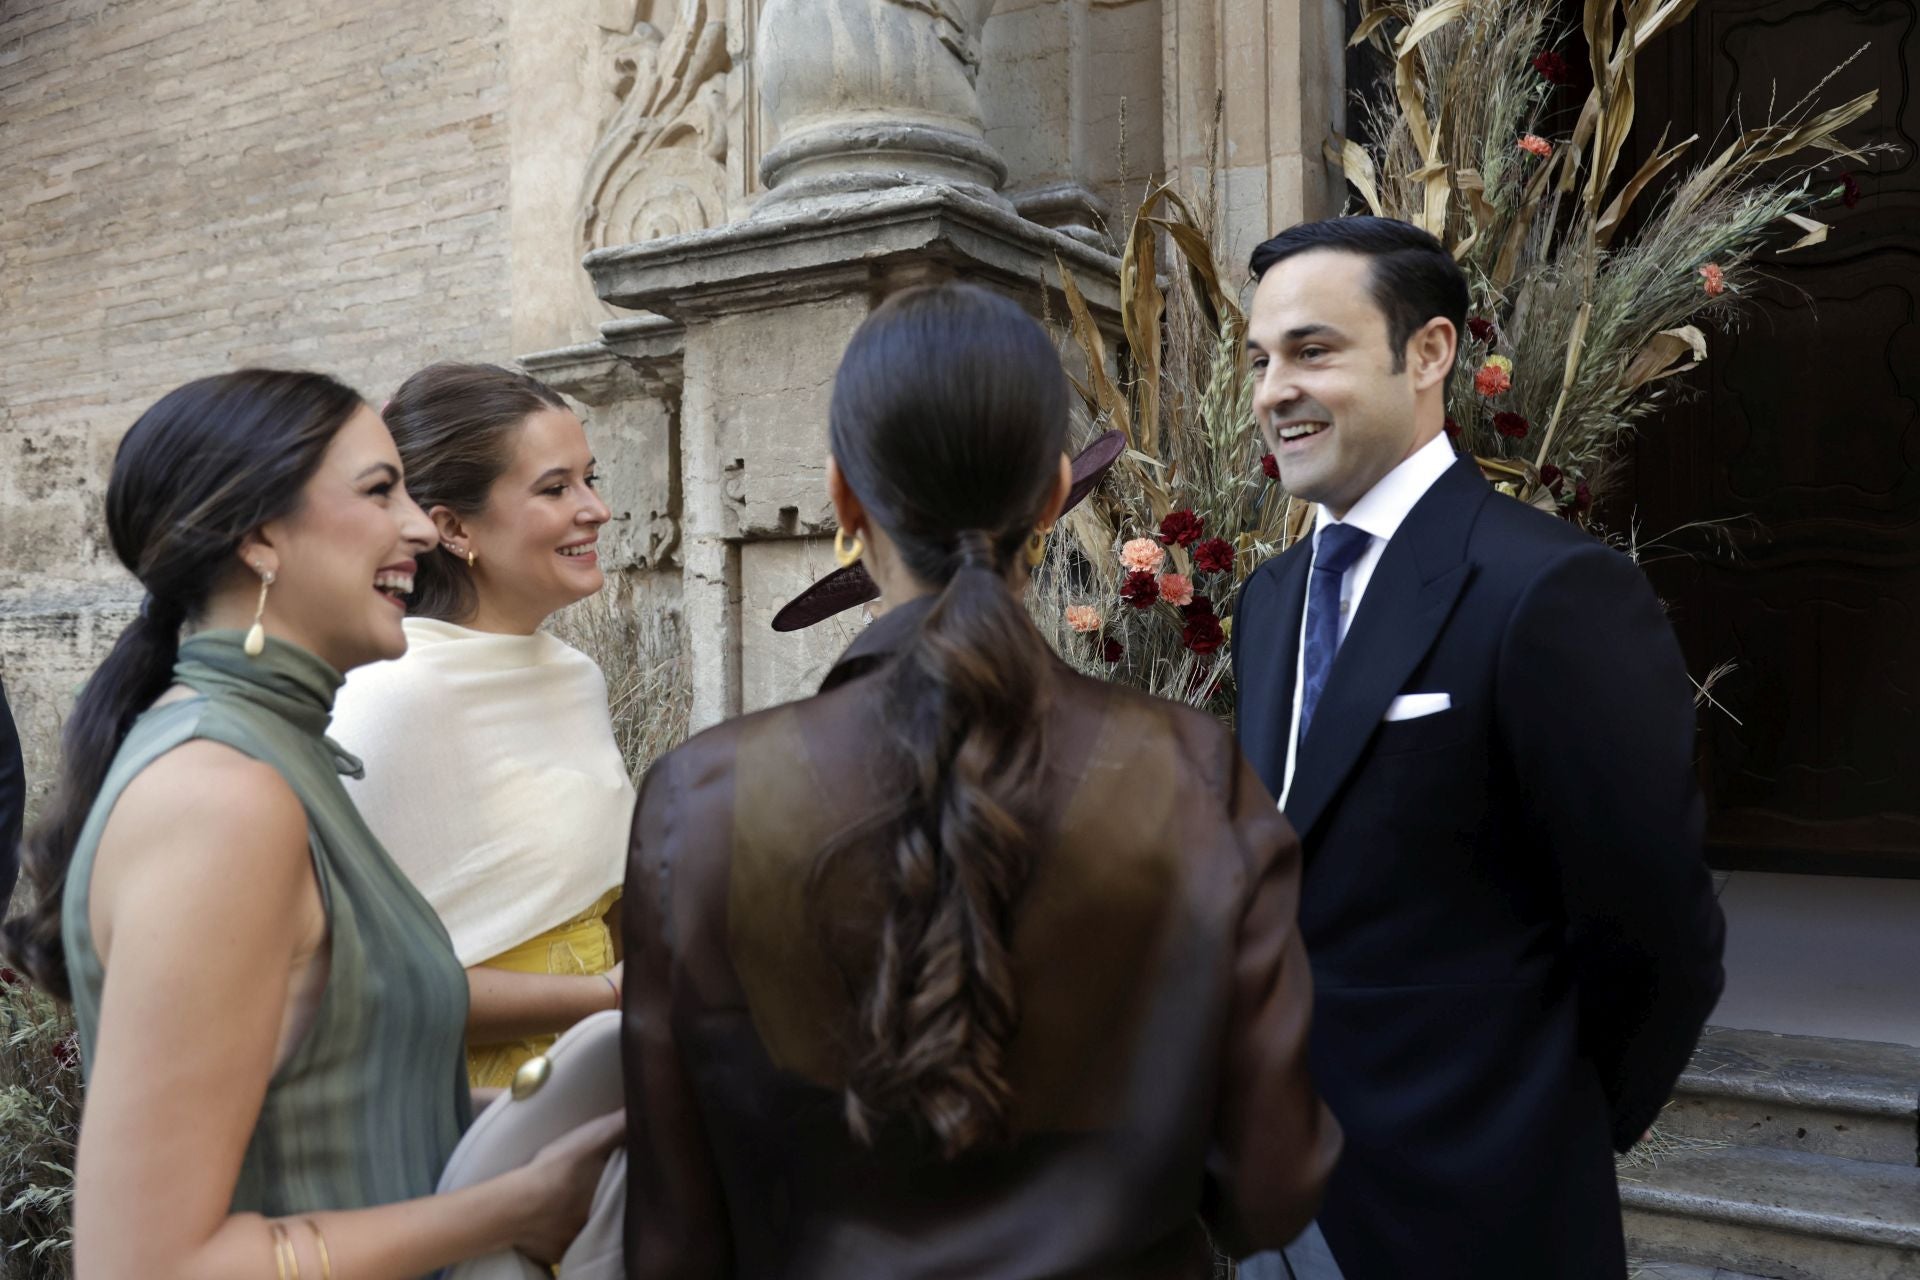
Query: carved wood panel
[(1805, 435)]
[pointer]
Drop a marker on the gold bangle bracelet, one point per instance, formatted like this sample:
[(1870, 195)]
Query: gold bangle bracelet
[(285, 1260), (320, 1243)]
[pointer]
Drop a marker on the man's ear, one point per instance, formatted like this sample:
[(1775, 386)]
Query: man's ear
[(846, 505), (1430, 352)]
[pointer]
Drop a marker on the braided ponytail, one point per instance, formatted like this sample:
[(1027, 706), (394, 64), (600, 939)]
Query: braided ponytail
[(956, 472)]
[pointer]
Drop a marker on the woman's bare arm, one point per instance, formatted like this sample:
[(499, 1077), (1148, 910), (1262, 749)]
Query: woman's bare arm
[(202, 898), (505, 1005)]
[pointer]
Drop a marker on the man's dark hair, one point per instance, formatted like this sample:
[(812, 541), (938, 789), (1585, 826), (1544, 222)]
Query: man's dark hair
[(1413, 277)]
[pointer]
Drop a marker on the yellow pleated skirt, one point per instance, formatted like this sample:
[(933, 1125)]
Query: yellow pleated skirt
[(583, 945)]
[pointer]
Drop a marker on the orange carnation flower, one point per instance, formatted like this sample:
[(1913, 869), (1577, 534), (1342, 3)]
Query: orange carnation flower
[(1494, 377), (1534, 144), (1715, 280)]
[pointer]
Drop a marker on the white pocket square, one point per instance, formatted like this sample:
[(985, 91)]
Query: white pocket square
[(1411, 706)]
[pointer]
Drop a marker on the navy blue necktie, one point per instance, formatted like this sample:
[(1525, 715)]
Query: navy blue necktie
[(1340, 545)]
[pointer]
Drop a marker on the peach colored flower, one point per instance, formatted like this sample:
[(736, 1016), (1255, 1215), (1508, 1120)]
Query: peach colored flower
[(1143, 555), (1084, 618), (1176, 589), (1714, 279), (1494, 377), (1534, 144)]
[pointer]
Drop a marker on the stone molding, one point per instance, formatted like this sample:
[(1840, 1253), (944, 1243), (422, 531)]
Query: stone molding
[(823, 249)]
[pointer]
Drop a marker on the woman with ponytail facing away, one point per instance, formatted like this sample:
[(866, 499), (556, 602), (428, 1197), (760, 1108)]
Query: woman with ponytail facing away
[(967, 965), (271, 1018)]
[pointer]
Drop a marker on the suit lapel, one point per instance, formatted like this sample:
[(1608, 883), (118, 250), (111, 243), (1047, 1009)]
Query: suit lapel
[(1408, 601), (1267, 733)]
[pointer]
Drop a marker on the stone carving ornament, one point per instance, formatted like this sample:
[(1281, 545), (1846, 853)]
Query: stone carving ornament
[(660, 166)]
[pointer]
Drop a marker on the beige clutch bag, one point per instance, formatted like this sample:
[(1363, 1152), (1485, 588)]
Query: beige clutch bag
[(575, 1081)]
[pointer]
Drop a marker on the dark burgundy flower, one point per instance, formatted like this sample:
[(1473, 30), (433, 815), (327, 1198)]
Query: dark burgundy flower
[(1270, 465), (1453, 428), (1849, 190), (1140, 590), (1481, 329), (1180, 528), (1553, 68), (1203, 633), (1511, 425), (1582, 499), (7, 977), (1552, 478), (1112, 651), (1199, 607), (67, 1052), (1215, 555)]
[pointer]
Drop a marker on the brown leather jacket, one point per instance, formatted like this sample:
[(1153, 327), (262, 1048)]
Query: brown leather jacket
[(1159, 1070)]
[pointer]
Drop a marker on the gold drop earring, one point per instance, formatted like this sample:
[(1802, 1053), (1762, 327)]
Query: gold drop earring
[(845, 554), (256, 642), (1037, 548)]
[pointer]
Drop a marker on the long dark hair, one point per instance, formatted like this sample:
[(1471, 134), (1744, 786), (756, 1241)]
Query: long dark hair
[(455, 426), (206, 466), (949, 418)]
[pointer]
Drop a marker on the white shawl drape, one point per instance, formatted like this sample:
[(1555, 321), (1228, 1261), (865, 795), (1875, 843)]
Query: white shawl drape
[(492, 778)]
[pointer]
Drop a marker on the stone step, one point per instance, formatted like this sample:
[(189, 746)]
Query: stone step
[(1792, 1215), (1801, 1093), (1639, 1269)]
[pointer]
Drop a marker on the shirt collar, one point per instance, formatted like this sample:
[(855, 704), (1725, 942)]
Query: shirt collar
[(1388, 503), (883, 638)]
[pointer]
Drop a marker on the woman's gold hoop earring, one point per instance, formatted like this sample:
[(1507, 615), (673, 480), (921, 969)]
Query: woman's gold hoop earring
[(256, 642), (1037, 548), (845, 554), (471, 557)]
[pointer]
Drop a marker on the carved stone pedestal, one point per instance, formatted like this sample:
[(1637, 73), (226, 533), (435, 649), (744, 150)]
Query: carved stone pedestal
[(765, 308)]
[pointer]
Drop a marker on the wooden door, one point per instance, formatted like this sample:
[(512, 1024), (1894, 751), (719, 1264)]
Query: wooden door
[(1806, 435)]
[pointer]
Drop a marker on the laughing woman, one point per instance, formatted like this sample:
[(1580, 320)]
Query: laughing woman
[(270, 1018), (492, 772)]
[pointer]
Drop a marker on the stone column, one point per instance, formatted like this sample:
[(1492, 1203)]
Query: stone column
[(1263, 81), (870, 94)]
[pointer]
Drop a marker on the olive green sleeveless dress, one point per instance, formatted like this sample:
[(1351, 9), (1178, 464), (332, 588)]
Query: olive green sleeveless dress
[(370, 1104)]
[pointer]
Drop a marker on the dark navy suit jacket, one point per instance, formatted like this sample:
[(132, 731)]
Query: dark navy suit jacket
[(13, 802), (1513, 932)]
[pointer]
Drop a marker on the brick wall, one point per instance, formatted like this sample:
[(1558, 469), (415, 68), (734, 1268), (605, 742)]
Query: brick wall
[(191, 185)]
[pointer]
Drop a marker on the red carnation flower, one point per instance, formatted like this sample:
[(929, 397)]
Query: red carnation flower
[(1215, 555), (1140, 590), (1510, 425), (1199, 607), (7, 976), (1453, 428), (1582, 499), (1849, 190), (1180, 528), (1270, 465), (1481, 329), (1112, 651), (1553, 68), (1553, 478), (1202, 634)]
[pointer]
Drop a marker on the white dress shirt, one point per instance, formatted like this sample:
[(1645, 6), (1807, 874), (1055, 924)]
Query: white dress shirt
[(1380, 514)]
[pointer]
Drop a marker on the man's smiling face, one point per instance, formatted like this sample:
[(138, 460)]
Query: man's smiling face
[(1334, 398)]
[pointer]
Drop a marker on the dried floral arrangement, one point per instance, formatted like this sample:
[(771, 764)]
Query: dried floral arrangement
[(1583, 307), (1590, 290)]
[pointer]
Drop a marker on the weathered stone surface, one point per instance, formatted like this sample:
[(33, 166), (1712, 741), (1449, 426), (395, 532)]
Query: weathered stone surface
[(50, 642), (777, 667), (1801, 1093), (1777, 1213)]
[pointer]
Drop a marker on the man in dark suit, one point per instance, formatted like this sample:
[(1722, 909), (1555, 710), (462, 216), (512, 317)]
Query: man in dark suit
[(1478, 720), (13, 802)]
